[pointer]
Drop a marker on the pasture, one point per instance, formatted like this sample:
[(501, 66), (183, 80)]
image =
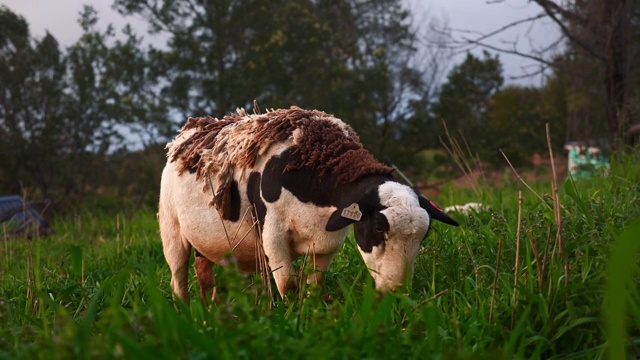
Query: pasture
[(506, 284)]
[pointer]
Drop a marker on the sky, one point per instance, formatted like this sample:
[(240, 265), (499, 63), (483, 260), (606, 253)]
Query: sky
[(60, 18)]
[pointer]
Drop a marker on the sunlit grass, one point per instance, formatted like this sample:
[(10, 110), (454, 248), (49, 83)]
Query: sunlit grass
[(99, 287)]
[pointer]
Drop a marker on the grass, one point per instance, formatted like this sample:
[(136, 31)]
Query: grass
[(99, 288)]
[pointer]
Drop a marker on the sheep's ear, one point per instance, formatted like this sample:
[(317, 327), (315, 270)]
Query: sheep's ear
[(343, 217), (435, 212)]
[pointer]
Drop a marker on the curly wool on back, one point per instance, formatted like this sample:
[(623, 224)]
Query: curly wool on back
[(320, 142)]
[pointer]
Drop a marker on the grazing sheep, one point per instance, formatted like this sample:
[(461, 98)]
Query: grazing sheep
[(304, 176)]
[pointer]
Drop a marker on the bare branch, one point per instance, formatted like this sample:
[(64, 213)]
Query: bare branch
[(511, 25), (512, 52), (539, 71), (551, 9)]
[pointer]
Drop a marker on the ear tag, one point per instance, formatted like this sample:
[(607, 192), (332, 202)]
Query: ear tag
[(352, 212)]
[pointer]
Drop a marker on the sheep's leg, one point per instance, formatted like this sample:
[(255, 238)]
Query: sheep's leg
[(206, 279), (276, 248), (176, 251), (177, 256), (321, 263)]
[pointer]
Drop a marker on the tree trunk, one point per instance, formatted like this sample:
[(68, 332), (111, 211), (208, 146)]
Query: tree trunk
[(616, 74)]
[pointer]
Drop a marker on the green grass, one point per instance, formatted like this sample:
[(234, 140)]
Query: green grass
[(99, 288)]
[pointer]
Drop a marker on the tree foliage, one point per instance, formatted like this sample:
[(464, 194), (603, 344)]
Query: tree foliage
[(473, 104), (352, 58), (63, 112), (604, 33), (74, 112), (598, 56), (517, 117), (465, 97)]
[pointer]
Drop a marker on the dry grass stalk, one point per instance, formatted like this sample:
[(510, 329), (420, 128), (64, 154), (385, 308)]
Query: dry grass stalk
[(443, 292), (546, 252), (301, 276), (246, 234), (262, 265), (118, 234), (213, 201), (475, 159), (517, 266), (439, 294), (536, 256), (460, 158), (235, 235), (524, 182), (495, 280), (315, 268), (556, 208), (230, 241)]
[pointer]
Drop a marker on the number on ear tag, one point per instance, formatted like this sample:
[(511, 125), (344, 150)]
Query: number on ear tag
[(352, 212)]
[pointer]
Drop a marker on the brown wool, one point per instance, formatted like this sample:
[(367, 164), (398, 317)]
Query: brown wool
[(326, 145)]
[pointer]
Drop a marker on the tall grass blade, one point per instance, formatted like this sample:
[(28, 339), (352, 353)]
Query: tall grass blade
[(623, 266)]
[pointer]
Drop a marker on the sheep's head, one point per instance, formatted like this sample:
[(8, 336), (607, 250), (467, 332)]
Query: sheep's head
[(390, 222)]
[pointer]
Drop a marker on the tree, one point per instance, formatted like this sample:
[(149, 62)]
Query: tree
[(64, 111), (387, 51), (349, 57), (32, 105), (603, 33), (604, 30), (201, 69), (465, 97), (515, 124)]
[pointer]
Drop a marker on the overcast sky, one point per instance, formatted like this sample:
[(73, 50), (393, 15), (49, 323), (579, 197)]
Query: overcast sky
[(60, 18)]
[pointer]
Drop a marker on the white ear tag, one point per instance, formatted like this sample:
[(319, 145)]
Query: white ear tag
[(352, 212)]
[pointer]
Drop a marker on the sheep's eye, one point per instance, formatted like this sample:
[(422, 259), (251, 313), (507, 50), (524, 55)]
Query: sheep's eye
[(379, 228)]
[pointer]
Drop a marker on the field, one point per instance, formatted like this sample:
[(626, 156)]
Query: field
[(506, 284)]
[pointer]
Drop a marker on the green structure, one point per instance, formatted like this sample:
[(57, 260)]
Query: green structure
[(587, 158)]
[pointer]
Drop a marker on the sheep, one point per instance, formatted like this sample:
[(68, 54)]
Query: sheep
[(304, 176)]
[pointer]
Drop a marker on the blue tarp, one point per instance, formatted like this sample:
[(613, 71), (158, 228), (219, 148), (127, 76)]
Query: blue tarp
[(20, 218)]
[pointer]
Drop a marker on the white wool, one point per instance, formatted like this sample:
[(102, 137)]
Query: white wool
[(403, 210), (392, 263), (171, 146), (468, 208), (297, 136)]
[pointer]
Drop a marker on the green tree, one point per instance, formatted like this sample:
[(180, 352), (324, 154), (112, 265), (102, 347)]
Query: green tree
[(302, 53), (465, 96), (515, 124), (599, 43), (63, 112), (465, 99), (388, 47), (32, 106), (202, 68), (604, 34), (347, 57)]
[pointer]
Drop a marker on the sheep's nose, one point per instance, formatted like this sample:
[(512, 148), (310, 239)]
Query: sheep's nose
[(389, 287)]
